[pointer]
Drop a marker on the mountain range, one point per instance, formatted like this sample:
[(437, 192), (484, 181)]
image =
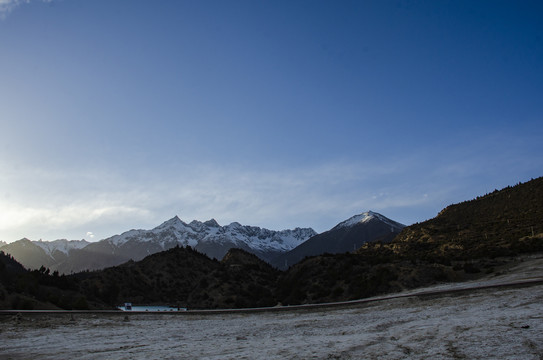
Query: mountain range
[(466, 240), (206, 237), (279, 248)]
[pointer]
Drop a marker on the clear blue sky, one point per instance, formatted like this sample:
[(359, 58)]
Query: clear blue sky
[(122, 114)]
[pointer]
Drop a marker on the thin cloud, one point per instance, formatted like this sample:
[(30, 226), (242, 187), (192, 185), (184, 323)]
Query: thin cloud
[(7, 6), (53, 201)]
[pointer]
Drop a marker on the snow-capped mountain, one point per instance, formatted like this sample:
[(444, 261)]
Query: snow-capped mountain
[(346, 236), (208, 237), (34, 254), (64, 246), (280, 248), (368, 216), (196, 232)]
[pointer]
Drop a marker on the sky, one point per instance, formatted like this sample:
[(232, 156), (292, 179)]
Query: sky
[(121, 114)]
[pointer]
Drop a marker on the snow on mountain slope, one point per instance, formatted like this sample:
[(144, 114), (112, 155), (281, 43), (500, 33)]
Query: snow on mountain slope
[(62, 245), (194, 233), (368, 216), (346, 236), (207, 237)]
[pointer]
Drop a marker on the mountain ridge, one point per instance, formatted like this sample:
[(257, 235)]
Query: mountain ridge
[(208, 237), (465, 241), (346, 236)]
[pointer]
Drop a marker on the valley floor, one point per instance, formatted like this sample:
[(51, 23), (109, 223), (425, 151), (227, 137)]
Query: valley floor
[(492, 323)]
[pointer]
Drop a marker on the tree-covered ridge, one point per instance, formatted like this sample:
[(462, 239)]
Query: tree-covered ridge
[(502, 223), (465, 240), (30, 289), (184, 277)]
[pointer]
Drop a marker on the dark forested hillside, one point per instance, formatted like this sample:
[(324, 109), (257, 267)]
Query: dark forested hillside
[(184, 277), (37, 289), (180, 277), (465, 240), (502, 223)]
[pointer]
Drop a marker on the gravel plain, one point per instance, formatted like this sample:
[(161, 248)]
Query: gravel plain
[(490, 323)]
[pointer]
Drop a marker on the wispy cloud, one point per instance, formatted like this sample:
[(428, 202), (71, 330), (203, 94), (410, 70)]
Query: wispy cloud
[(7, 6), (48, 203), (54, 203)]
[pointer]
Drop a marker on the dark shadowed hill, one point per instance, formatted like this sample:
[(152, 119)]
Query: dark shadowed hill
[(464, 240), (30, 254), (346, 236), (8, 265), (37, 289), (502, 223), (184, 277)]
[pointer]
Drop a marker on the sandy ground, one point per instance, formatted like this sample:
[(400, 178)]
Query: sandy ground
[(504, 323)]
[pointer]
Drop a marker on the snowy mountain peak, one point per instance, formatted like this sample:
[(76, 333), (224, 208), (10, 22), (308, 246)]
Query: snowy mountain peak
[(368, 216), (176, 219), (195, 223), (356, 219), (61, 245), (212, 223), (209, 234), (234, 225), (173, 222)]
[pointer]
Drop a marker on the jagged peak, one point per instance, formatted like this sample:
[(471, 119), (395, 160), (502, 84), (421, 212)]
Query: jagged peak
[(212, 223), (175, 219), (235, 225), (210, 231), (175, 222), (301, 230)]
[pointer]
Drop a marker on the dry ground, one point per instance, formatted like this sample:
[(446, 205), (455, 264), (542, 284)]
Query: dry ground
[(496, 323)]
